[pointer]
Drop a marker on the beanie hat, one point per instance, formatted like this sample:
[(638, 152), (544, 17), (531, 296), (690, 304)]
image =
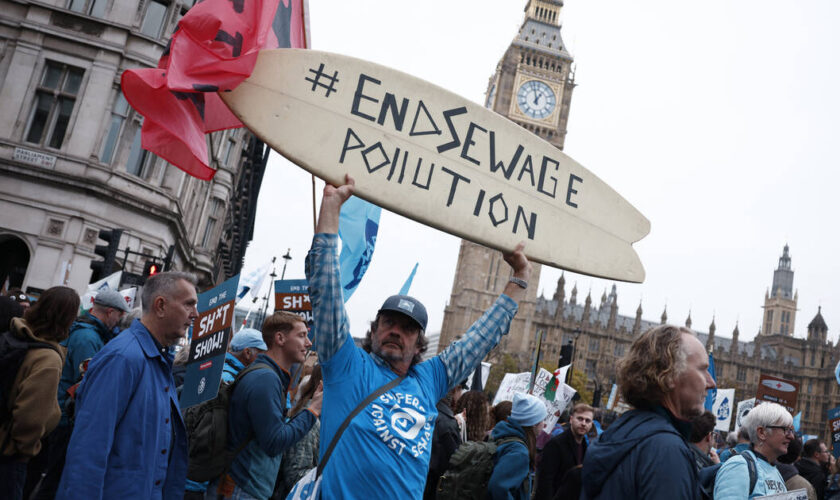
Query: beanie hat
[(527, 410)]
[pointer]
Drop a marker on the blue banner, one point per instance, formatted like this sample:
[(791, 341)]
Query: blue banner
[(711, 394), (407, 284), (358, 226), (211, 335)]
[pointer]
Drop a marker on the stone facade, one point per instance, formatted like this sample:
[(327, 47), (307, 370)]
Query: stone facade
[(70, 156)]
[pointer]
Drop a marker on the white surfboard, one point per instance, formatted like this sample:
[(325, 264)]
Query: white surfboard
[(430, 155)]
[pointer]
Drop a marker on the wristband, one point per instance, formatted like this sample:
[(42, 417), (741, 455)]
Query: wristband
[(520, 282)]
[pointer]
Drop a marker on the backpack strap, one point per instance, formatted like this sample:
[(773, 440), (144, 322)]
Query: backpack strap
[(252, 367), (751, 468), (375, 394)]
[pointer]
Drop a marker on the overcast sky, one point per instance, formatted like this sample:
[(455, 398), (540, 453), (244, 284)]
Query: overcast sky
[(718, 120)]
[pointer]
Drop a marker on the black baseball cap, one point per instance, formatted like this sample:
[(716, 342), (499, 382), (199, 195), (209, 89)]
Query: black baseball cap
[(409, 306)]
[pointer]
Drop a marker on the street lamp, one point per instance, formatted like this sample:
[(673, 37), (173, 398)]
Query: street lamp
[(568, 352)]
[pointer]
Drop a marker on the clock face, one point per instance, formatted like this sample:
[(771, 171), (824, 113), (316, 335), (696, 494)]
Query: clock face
[(535, 99)]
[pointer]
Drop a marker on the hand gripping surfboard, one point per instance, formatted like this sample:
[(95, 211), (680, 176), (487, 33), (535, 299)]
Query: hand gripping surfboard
[(435, 157)]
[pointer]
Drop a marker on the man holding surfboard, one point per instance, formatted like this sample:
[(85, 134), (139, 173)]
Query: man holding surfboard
[(384, 451)]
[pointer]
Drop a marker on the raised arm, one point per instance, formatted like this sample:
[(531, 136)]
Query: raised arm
[(461, 357), (322, 271)]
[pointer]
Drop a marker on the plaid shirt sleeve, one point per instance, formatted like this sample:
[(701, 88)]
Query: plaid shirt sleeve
[(462, 356), (328, 314)]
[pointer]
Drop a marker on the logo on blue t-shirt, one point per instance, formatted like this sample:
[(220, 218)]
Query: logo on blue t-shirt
[(400, 422)]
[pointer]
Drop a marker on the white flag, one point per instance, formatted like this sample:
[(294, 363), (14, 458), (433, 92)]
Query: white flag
[(722, 408), (112, 282), (130, 296), (744, 407)]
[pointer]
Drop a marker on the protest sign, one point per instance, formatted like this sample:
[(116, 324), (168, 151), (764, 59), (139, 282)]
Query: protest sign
[(778, 390), (435, 157), (293, 296), (519, 382), (211, 336), (799, 494), (834, 427), (722, 408), (744, 407)]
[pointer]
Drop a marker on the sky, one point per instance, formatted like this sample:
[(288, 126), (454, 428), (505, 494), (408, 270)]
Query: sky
[(717, 120)]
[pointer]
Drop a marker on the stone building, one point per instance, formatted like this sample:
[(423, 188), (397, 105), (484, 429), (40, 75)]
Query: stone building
[(70, 156), (532, 86), (537, 62)]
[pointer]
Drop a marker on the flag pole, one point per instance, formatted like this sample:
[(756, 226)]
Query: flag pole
[(314, 219)]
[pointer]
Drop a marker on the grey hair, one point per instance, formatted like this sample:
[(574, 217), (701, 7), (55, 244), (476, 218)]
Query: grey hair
[(163, 284), (764, 415), (129, 318)]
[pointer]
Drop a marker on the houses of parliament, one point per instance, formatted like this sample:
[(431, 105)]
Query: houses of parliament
[(532, 86)]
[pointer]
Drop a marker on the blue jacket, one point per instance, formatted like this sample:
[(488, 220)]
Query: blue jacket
[(643, 455), (258, 410), (123, 444), (88, 336), (511, 470)]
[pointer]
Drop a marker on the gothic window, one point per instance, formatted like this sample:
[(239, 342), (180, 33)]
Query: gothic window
[(807, 410), (94, 8), (813, 360), (155, 19), (118, 116), (742, 374), (591, 366), (55, 99), (619, 350), (769, 322), (594, 344)]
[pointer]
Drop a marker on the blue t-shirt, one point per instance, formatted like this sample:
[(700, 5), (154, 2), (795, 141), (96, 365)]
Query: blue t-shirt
[(389, 442)]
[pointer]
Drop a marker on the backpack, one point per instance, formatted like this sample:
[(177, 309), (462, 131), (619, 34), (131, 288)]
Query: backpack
[(708, 475), (207, 432), (469, 470), (12, 352)]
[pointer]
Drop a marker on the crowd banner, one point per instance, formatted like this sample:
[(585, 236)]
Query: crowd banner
[(130, 296), (519, 382), (722, 409), (799, 494), (834, 426), (744, 407), (211, 336), (293, 296), (778, 390), (432, 156)]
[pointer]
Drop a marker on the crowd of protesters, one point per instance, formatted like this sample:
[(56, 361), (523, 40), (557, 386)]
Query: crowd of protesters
[(90, 408)]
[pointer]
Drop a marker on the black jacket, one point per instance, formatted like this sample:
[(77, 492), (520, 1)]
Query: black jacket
[(558, 457), (815, 475), (445, 441)]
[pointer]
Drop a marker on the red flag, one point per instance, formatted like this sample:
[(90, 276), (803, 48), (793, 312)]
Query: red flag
[(213, 49)]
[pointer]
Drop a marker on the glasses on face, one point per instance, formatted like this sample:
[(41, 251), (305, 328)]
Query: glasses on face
[(786, 430)]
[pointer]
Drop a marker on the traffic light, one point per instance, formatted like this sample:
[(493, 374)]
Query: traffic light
[(104, 267), (167, 261), (150, 269)]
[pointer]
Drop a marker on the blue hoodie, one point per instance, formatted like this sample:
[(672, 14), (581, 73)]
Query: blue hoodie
[(510, 478), (642, 455)]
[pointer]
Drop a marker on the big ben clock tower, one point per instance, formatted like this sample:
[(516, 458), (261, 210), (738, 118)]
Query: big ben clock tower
[(532, 86)]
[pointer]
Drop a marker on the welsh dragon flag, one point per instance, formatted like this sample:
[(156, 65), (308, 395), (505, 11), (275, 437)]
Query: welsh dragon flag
[(556, 381)]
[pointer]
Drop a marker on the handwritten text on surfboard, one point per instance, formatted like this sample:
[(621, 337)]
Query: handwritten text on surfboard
[(457, 133)]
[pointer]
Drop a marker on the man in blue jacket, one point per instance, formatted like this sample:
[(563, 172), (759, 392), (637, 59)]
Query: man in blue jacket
[(384, 451), (129, 440), (88, 336), (645, 453), (258, 430)]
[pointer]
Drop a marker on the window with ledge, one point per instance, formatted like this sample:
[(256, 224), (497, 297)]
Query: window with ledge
[(94, 8), (140, 162), (55, 99), (231, 145), (118, 115), (155, 19), (742, 374), (214, 212), (594, 345)]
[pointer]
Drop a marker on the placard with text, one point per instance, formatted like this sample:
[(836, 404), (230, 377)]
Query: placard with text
[(211, 335), (293, 296)]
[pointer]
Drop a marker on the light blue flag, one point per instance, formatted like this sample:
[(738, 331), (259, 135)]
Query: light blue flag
[(407, 284), (837, 372), (711, 394), (796, 420), (358, 225)]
